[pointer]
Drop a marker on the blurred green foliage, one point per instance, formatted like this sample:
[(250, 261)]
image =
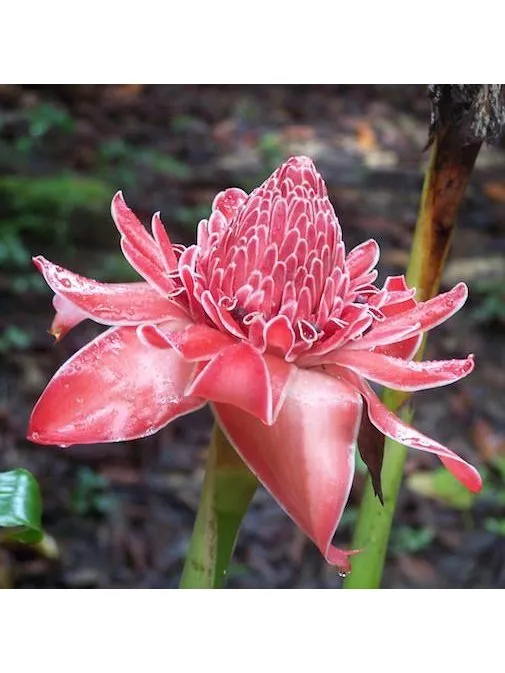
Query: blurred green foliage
[(14, 338), (34, 125), (495, 526), (440, 485), (493, 489), (123, 163), (37, 208), (113, 267), (491, 308), (44, 206), (410, 540), (91, 495), (55, 194), (39, 211), (43, 119), (272, 151), (189, 216)]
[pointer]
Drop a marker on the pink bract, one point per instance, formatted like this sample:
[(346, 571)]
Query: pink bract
[(267, 318)]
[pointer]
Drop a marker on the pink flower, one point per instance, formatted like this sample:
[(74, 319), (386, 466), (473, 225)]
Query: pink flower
[(269, 320)]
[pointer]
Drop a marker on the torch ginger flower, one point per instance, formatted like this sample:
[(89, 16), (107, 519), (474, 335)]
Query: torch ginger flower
[(269, 320)]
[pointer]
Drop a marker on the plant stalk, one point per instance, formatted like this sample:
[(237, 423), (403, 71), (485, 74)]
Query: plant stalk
[(445, 182), (228, 488)]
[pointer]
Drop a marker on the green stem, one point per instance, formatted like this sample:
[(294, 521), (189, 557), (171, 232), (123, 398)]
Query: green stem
[(228, 488), (445, 183), (374, 521)]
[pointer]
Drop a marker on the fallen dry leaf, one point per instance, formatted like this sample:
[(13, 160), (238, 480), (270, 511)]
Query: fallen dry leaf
[(495, 191), (125, 91), (365, 137), (418, 570)]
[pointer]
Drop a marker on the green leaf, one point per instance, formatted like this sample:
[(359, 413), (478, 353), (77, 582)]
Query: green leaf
[(46, 117), (20, 507), (442, 486), (498, 462), (496, 526), (14, 338), (411, 540), (164, 163), (62, 192)]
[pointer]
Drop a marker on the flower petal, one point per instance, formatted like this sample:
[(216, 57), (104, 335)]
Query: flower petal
[(114, 389), (393, 427), (106, 303), (306, 458), (229, 202), (148, 269), (67, 316), (421, 318), (406, 349), (281, 374), (397, 284), (278, 335), (194, 342), (237, 375), (403, 374), (362, 258), (130, 228), (219, 315), (164, 244)]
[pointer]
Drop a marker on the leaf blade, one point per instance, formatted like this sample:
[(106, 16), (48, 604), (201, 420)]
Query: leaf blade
[(20, 507)]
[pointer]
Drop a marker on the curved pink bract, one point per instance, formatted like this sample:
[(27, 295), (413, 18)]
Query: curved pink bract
[(268, 318)]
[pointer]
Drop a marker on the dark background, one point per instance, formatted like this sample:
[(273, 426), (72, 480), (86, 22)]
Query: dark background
[(121, 514)]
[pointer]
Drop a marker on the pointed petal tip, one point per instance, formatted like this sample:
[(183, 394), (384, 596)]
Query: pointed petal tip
[(43, 266), (475, 482), (465, 473), (39, 262), (459, 294), (58, 334), (340, 558), (396, 283), (470, 363), (42, 437), (229, 201), (117, 203), (373, 244), (33, 436), (363, 258)]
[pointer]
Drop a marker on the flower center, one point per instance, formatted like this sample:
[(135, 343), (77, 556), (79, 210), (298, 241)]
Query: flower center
[(280, 255)]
